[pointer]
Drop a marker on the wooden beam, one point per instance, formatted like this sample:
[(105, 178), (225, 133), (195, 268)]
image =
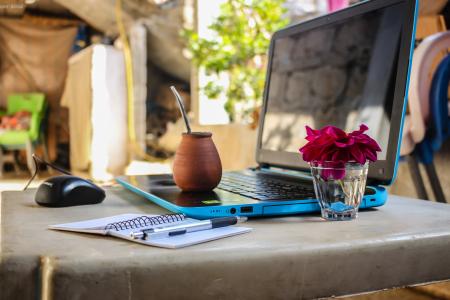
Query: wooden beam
[(12, 8), (431, 7), (165, 47)]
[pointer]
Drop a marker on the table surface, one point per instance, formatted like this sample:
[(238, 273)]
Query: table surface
[(405, 242)]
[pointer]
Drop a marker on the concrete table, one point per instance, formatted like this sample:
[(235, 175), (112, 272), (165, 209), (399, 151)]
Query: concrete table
[(406, 242)]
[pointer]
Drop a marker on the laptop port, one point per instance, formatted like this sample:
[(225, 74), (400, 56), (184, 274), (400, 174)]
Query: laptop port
[(246, 209)]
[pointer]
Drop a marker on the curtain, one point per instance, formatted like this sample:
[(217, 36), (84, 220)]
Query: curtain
[(33, 58)]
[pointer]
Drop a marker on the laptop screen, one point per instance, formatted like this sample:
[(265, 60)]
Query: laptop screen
[(341, 73)]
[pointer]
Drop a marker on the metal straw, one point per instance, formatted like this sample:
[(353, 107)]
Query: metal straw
[(181, 106)]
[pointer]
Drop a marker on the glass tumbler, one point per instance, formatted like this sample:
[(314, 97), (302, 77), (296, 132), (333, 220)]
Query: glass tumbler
[(339, 188)]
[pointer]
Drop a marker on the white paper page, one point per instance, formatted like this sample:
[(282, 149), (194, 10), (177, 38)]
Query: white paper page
[(187, 239), (98, 225)]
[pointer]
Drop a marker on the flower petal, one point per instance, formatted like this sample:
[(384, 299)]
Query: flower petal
[(362, 128), (357, 154), (333, 131), (311, 132), (371, 155), (343, 143)]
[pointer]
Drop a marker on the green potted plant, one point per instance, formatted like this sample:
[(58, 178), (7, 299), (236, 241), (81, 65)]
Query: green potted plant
[(243, 30)]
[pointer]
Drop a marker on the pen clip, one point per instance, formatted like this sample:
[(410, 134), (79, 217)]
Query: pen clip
[(178, 232)]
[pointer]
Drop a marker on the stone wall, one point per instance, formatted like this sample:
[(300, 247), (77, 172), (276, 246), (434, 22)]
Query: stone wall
[(319, 78), (325, 69)]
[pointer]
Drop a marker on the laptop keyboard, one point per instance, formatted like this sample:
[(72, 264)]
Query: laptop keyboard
[(264, 188)]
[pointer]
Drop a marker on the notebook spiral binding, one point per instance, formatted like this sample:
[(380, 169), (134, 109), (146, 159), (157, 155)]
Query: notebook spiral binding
[(144, 221)]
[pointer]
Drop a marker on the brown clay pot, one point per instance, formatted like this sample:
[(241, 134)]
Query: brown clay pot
[(197, 165)]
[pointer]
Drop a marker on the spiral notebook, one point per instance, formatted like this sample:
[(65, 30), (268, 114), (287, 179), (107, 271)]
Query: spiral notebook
[(121, 226)]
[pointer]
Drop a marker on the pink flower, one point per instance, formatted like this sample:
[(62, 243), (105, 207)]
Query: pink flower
[(333, 144)]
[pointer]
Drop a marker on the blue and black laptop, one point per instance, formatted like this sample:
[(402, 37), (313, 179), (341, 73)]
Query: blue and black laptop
[(341, 69)]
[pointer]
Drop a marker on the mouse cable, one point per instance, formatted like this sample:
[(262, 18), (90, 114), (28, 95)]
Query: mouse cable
[(36, 159)]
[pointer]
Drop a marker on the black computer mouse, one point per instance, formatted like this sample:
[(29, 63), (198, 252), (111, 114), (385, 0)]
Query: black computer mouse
[(67, 190)]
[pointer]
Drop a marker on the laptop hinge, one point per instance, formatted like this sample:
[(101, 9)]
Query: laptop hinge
[(266, 168), (298, 174)]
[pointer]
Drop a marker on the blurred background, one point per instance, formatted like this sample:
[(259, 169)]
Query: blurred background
[(85, 85)]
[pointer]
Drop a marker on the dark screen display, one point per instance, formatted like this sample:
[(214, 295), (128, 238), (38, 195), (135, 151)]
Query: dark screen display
[(340, 74)]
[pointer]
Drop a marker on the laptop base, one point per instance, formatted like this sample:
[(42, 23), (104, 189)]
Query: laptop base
[(161, 190)]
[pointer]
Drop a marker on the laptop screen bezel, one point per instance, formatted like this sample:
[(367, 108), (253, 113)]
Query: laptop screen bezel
[(381, 172)]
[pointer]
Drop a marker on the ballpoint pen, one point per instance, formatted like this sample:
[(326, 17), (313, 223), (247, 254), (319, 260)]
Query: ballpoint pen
[(186, 228)]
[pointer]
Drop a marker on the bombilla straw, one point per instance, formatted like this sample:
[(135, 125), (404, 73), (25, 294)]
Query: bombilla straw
[(181, 106)]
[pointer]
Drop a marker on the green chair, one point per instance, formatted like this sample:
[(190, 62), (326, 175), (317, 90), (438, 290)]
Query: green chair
[(25, 139)]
